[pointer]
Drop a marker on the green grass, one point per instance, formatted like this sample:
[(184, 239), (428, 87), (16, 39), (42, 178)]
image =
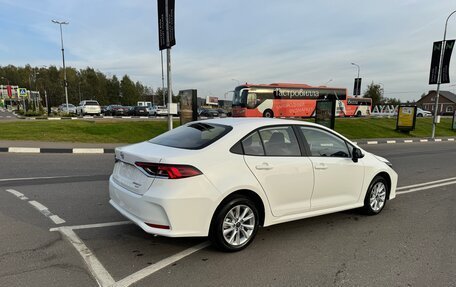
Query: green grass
[(136, 131)]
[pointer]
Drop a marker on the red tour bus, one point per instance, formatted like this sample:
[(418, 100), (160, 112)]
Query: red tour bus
[(293, 100)]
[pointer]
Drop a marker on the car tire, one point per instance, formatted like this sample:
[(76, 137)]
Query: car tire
[(230, 231), (376, 196), (419, 115), (268, 114)]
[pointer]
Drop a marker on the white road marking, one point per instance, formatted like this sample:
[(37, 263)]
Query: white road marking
[(391, 142), (141, 274), (143, 117), (54, 119), (437, 140), (423, 141), (425, 183), (451, 140), (34, 178), (408, 141), (101, 275), (38, 205), (372, 142), (24, 149), (108, 117), (126, 117), (425, 187), (88, 150), (17, 194), (56, 219), (97, 225)]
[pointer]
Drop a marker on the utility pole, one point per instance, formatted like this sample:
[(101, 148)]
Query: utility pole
[(63, 59)]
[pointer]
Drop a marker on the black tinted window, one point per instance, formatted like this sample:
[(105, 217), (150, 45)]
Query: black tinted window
[(280, 141), (91, 103), (192, 136), (252, 145), (322, 143)]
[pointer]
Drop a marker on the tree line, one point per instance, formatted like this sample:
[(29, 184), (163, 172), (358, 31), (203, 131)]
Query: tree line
[(83, 84)]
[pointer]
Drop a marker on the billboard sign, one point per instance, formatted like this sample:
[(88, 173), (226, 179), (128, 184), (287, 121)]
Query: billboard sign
[(325, 112), (406, 118), (188, 106)]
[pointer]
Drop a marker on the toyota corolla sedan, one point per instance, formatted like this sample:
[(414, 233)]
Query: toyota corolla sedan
[(224, 178)]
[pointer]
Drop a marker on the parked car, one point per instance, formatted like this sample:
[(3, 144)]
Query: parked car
[(222, 113), (103, 110), (423, 113), (224, 178), (71, 109), (88, 107), (158, 111), (116, 110), (208, 113), (140, 111)]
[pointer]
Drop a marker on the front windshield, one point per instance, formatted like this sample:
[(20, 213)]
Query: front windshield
[(240, 96)]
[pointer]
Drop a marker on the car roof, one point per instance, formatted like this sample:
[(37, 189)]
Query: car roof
[(257, 122)]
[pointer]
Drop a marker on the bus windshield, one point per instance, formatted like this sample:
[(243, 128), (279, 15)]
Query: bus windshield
[(240, 97)]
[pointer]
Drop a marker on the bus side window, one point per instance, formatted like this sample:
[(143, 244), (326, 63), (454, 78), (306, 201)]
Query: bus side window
[(251, 100)]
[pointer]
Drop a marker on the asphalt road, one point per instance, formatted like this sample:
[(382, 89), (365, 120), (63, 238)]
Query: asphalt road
[(412, 243), (6, 116)]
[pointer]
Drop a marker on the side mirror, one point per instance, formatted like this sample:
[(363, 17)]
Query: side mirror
[(356, 154)]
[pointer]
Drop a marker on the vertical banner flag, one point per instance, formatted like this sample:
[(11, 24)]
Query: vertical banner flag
[(9, 91), (357, 87), (166, 36), (433, 74), (445, 72), (445, 77)]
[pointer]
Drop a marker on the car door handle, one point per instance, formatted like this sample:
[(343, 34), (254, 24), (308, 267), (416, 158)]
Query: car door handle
[(321, 166), (264, 166)]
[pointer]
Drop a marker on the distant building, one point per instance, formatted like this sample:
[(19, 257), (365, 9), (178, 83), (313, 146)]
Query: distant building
[(447, 102)]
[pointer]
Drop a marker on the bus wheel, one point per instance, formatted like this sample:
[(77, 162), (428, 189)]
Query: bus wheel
[(268, 114), (358, 114)]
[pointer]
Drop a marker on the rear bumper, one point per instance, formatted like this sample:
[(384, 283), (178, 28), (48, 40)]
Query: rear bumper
[(187, 208)]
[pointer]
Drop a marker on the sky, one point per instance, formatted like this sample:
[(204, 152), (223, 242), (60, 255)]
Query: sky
[(220, 44)]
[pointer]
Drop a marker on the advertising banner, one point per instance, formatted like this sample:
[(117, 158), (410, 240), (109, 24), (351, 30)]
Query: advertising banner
[(188, 106), (357, 87), (433, 74), (166, 36), (325, 112), (445, 77), (406, 118)]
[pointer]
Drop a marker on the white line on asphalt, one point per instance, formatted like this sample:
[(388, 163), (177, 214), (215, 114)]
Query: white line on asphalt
[(96, 225), (423, 141), (143, 117), (126, 117), (141, 274), (425, 187), (408, 141), (88, 150), (24, 149), (38, 205), (390, 142), (56, 219), (96, 268), (108, 117), (54, 119), (17, 194), (34, 178), (437, 140), (425, 183), (372, 142), (451, 140)]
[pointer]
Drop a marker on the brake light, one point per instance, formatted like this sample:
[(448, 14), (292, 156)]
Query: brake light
[(171, 171)]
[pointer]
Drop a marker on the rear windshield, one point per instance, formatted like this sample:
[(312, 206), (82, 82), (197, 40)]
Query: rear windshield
[(192, 136), (91, 103)]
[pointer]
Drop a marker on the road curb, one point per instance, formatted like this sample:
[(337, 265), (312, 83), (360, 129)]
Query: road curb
[(97, 150), (402, 141), (57, 150)]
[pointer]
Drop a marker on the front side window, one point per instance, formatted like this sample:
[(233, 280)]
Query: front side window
[(322, 143), (192, 136), (280, 141)]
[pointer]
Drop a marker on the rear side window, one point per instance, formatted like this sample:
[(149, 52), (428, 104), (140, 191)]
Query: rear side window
[(252, 145), (91, 103), (192, 136)]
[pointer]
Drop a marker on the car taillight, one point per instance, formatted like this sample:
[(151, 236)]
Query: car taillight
[(171, 171)]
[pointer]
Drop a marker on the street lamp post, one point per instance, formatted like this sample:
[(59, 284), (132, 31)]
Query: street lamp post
[(439, 76), (63, 59)]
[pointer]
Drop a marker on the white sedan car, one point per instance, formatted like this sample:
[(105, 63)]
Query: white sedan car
[(224, 178)]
